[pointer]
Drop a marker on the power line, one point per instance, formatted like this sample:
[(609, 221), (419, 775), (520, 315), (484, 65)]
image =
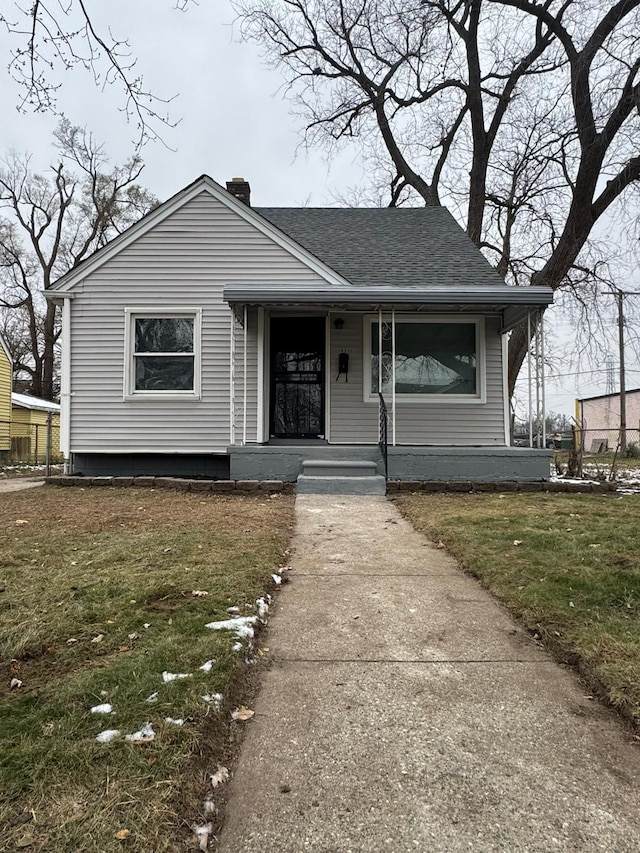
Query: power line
[(587, 372)]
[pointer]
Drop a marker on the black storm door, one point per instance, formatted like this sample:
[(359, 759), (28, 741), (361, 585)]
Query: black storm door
[(297, 377)]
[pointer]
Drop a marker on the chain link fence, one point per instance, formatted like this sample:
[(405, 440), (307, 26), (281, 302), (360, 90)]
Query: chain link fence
[(33, 443), (607, 440)]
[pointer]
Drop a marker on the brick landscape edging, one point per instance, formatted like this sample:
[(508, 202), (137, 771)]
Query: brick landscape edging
[(243, 487), (227, 487), (433, 487)]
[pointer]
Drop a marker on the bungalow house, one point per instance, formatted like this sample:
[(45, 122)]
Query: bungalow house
[(6, 364), (214, 339)]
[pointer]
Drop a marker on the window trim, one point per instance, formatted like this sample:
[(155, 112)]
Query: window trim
[(370, 395), (130, 392)]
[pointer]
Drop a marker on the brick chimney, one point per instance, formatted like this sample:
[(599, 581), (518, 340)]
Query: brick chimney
[(240, 189)]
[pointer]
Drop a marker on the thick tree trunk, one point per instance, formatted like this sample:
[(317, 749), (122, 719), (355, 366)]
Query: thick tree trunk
[(48, 354), (518, 345)]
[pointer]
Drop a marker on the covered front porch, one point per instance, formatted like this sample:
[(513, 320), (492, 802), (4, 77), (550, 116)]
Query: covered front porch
[(413, 388)]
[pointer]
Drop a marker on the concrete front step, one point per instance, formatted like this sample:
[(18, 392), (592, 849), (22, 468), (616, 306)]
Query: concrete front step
[(331, 485), (339, 468)]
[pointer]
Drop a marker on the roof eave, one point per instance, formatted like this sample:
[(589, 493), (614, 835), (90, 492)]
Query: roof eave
[(501, 297)]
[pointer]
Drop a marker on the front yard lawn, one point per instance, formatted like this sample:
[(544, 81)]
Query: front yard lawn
[(568, 566), (104, 597)]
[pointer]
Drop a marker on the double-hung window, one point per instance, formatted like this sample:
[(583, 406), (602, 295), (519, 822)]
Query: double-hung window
[(163, 354), (428, 358)]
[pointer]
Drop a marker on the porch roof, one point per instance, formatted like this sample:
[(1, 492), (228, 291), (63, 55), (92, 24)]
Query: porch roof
[(512, 303)]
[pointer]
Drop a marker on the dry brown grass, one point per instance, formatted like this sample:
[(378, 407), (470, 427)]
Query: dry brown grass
[(82, 572)]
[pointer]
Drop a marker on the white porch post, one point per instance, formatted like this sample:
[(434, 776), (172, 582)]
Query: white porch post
[(529, 379), (393, 376), (542, 389), (537, 376), (505, 389), (261, 378), (232, 379), (244, 375)]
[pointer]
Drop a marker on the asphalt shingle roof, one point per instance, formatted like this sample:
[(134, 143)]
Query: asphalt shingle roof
[(387, 246)]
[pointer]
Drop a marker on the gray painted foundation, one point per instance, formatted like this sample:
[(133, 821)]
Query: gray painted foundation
[(285, 462), (479, 464), (436, 464), (278, 462)]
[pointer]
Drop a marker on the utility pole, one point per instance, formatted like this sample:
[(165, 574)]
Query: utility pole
[(623, 390), (620, 295)]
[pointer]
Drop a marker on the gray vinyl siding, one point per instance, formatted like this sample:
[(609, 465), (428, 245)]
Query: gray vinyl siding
[(183, 262), (433, 423)]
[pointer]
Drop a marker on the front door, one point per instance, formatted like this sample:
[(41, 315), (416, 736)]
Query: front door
[(297, 377)]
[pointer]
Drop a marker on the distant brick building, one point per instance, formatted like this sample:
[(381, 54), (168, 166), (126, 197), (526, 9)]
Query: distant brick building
[(599, 419)]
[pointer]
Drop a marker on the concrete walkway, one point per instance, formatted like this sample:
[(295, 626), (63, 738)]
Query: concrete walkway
[(405, 711), (16, 484)]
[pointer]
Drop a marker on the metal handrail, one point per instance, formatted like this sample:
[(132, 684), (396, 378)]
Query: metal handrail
[(382, 432)]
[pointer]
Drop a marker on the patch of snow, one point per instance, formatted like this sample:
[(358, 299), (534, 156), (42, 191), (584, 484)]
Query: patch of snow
[(178, 722), (202, 835), (277, 579), (237, 647), (209, 807), (241, 625), (213, 699), (263, 607), (233, 610), (144, 735), (108, 735), (174, 676), (207, 666), (556, 479), (153, 698), (105, 708)]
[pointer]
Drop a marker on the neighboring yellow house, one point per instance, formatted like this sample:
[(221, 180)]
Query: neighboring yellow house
[(6, 364), (29, 428)]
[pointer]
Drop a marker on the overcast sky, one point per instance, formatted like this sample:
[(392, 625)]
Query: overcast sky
[(233, 121)]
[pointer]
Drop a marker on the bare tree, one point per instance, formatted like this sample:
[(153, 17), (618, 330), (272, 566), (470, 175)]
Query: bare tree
[(49, 225), (523, 116), (48, 37)]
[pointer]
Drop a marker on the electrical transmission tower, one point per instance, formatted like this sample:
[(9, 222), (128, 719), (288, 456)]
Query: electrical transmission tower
[(611, 375)]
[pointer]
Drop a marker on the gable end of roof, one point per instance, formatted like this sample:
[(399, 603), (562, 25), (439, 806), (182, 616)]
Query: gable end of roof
[(204, 183)]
